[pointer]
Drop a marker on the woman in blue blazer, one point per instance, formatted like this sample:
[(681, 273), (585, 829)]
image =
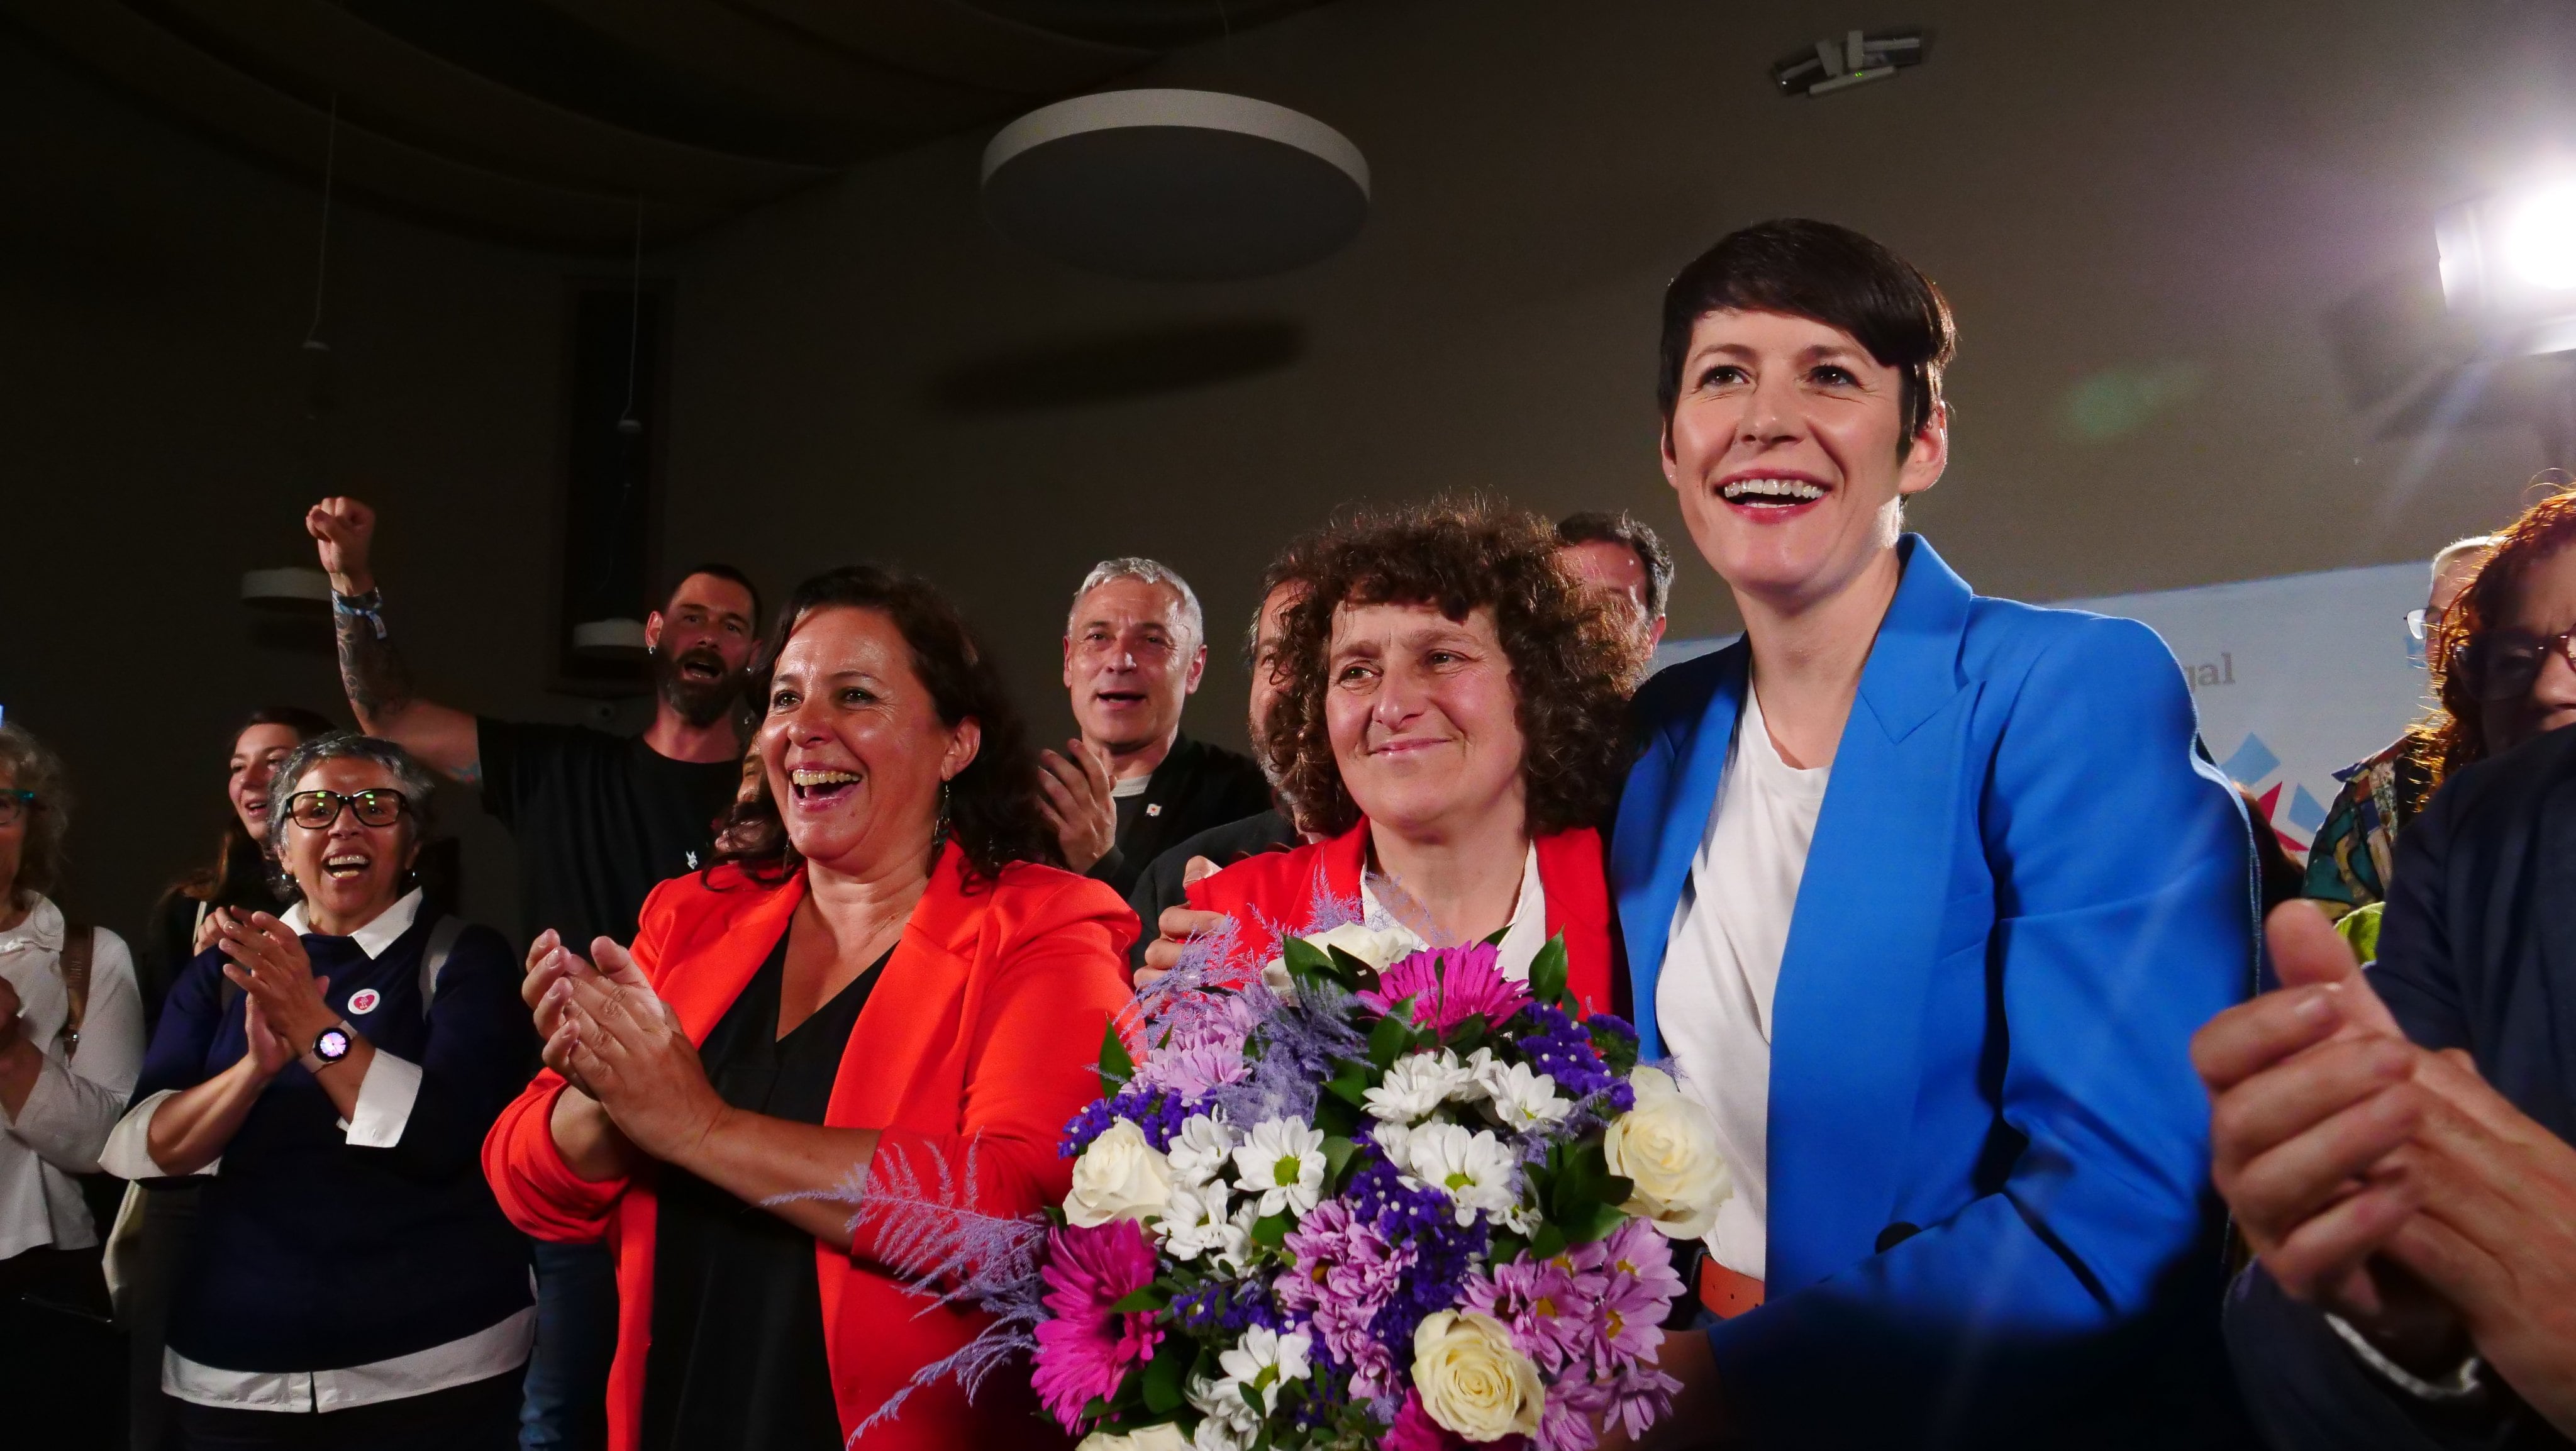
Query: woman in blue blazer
[(1970, 890)]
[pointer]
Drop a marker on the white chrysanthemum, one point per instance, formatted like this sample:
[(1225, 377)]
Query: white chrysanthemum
[(1235, 1255), (1230, 1425), (1264, 1360), (1198, 1220), (1283, 1162), (1474, 1168), (1416, 1084), (1521, 1099), (1200, 1150)]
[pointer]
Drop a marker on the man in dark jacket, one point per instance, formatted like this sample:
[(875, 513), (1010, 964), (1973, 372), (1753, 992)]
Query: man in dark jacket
[(1132, 785), (2396, 1144)]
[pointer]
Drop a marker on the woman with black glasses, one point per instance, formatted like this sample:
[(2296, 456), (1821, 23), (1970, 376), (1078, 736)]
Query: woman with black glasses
[(333, 1071)]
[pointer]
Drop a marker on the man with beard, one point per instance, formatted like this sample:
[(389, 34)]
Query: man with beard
[(600, 820)]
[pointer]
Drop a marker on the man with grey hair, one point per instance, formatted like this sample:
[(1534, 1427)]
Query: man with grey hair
[(2350, 861), (1131, 785)]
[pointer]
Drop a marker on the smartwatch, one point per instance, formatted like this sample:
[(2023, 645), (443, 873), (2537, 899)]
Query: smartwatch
[(330, 1046)]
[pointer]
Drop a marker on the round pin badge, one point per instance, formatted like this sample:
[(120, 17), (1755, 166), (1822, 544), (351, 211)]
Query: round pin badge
[(364, 1000)]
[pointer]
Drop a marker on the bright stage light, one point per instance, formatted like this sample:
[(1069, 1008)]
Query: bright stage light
[(2539, 241), (2509, 266)]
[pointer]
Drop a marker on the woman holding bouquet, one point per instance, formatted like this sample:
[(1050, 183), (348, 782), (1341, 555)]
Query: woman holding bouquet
[(877, 988), (1448, 712)]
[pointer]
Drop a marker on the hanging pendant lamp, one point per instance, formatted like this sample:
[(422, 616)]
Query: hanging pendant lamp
[(1175, 186)]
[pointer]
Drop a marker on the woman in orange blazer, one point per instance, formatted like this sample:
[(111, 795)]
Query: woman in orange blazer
[(1448, 707), (876, 980)]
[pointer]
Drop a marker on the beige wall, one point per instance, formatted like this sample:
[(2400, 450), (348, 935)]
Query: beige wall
[(2150, 219)]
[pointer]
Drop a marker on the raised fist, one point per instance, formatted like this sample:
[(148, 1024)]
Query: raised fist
[(344, 530)]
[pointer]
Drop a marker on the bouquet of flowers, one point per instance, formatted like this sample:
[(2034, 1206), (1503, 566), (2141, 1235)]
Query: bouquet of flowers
[(1380, 1197)]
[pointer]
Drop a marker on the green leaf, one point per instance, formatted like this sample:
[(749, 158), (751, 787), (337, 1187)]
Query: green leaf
[(1548, 1243), (1495, 938), (1351, 1083), (1354, 973), (1142, 1301), (1334, 1116), (1308, 965), (1115, 1066), (1337, 1154), (1507, 1246), (1618, 1051), (1391, 1036), (1547, 974), (1094, 1409), (1269, 1230), (1463, 1038), (1594, 1223), (1168, 1372)]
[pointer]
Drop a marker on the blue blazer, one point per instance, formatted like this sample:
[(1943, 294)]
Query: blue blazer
[(2027, 888)]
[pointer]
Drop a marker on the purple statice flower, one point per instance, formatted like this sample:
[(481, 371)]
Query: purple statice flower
[(1291, 1055), (1202, 1052), (1562, 1050), (1444, 1250), (1224, 1309), (1158, 1112), (1345, 1271), (1550, 1305), (1449, 985)]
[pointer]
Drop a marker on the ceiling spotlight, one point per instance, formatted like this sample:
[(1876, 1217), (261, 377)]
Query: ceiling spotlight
[(2509, 266), (1839, 64)]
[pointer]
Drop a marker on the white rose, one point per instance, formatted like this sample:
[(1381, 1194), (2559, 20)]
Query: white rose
[(1471, 1379), (1161, 1436), (1119, 1177), (1373, 945), (1667, 1147)]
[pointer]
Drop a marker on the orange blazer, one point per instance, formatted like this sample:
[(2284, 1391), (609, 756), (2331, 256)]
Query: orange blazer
[(1281, 889), (985, 1027)]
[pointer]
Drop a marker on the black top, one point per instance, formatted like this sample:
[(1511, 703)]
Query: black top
[(737, 1357), (1196, 787), (2477, 952), (601, 820), (311, 1253), (1161, 887), (172, 938)]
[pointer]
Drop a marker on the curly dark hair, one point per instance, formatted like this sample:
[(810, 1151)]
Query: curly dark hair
[(2455, 737), (993, 812), (1568, 656)]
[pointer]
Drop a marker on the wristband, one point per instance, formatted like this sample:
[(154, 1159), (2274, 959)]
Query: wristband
[(369, 607)]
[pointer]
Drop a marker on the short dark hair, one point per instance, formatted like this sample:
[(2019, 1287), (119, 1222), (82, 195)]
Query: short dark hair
[(724, 572), (993, 811), (1594, 526), (1568, 658), (1293, 564), (1831, 274)]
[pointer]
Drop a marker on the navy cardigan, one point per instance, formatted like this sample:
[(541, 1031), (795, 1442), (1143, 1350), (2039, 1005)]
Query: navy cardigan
[(312, 1254)]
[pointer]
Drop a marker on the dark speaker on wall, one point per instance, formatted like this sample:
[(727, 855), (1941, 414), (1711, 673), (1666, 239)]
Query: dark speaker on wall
[(617, 364)]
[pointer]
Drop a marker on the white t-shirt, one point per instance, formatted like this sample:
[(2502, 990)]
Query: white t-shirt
[(1722, 966), (1522, 937)]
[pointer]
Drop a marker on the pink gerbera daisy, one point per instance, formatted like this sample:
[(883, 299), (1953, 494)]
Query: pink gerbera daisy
[(1087, 1349), (1448, 986)]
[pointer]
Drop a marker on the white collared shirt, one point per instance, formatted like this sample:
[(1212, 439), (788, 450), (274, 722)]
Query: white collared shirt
[(1522, 939), (1722, 966), (61, 1128)]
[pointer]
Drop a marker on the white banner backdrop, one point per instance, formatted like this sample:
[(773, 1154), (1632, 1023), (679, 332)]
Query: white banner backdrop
[(2295, 677)]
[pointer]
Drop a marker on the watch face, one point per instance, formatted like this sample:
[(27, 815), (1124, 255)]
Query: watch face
[(332, 1046)]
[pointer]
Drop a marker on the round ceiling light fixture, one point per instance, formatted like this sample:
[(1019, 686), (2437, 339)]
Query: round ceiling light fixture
[(1175, 186), (293, 590)]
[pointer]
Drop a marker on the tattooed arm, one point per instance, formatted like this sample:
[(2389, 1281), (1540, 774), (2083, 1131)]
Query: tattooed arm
[(371, 669)]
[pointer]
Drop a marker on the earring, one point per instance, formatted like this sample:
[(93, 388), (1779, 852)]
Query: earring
[(939, 832)]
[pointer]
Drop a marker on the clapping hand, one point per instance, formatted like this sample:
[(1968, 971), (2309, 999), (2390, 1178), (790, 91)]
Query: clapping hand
[(1079, 803), (615, 1035), (268, 963)]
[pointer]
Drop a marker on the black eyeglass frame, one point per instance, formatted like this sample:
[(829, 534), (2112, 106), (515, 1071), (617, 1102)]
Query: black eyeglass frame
[(2482, 663), (15, 805), (348, 802)]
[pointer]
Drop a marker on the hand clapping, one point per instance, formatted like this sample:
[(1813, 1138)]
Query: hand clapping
[(283, 998), (612, 1037)]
